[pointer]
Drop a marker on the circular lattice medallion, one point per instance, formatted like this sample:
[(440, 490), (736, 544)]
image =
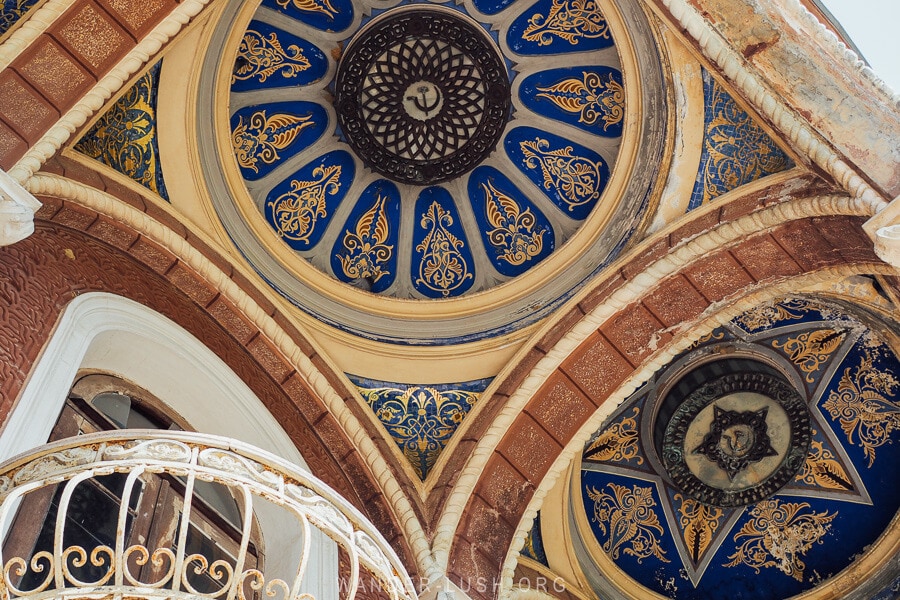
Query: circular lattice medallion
[(422, 95), (737, 438)]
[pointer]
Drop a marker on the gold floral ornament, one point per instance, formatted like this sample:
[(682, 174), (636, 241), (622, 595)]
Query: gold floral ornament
[(864, 405), (822, 470), (739, 150), (712, 336), (420, 419), (778, 535), (576, 179), (698, 523), (262, 137), (442, 267), (124, 137), (314, 6), (513, 233), (366, 250), (628, 519), (811, 349), (617, 443), (260, 56), (592, 98), (765, 316), (295, 212), (570, 20)]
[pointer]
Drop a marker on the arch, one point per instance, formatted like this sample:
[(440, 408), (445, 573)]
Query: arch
[(644, 316), (105, 332)]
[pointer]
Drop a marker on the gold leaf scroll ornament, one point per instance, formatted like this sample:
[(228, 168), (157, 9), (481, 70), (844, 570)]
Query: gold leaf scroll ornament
[(570, 20), (314, 6), (513, 233), (576, 179), (365, 249), (295, 212), (262, 137), (590, 97)]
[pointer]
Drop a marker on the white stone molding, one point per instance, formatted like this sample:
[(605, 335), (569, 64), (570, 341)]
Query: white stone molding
[(887, 244), (17, 208)]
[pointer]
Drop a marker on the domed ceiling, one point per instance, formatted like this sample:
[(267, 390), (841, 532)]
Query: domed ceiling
[(758, 464), (432, 173)]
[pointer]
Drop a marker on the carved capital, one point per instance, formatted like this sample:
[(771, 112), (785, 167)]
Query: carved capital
[(17, 208), (887, 244)]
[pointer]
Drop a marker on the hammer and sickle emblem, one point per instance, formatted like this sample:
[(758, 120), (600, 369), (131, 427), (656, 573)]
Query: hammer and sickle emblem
[(421, 101)]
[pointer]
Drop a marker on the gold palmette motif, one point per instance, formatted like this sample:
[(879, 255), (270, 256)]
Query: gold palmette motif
[(442, 267), (314, 6), (778, 534), (513, 232), (571, 20), (262, 137), (765, 316), (295, 212), (617, 443), (864, 405), (811, 349), (739, 149), (706, 338), (628, 520), (260, 56), (698, 522), (124, 136), (365, 249), (421, 419), (822, 470), (590, 97), (576, 179)]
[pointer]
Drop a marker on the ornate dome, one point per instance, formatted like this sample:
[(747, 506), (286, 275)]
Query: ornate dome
[(491, 156), (758, 463)]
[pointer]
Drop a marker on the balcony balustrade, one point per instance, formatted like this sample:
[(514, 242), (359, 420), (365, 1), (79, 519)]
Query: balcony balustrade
[(72, 514)]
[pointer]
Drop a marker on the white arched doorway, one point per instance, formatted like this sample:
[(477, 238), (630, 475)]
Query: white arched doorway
[(104, 332)]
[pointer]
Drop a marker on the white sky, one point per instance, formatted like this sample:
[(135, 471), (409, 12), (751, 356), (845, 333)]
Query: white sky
[(872, 25)]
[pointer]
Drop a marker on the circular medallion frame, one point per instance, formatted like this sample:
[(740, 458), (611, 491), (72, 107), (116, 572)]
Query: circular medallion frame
[(422, 94), (773, 403)]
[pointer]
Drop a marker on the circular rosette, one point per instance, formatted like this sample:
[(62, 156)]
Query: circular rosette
[(515, 233), (590, 98), (265, 135), (733, 432), (269, 58), (300, 207), (442, 263), (570, 175), (422, 95), (325, 15), (365, 252), (557, 26)]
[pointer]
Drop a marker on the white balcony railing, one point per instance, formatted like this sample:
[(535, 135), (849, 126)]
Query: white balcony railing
[(44, 507)]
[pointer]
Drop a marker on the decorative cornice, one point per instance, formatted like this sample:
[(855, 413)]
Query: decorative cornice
[(60, 187), (17, 208), (830, 40), (110, 84), (803, 136), (679, 258)]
